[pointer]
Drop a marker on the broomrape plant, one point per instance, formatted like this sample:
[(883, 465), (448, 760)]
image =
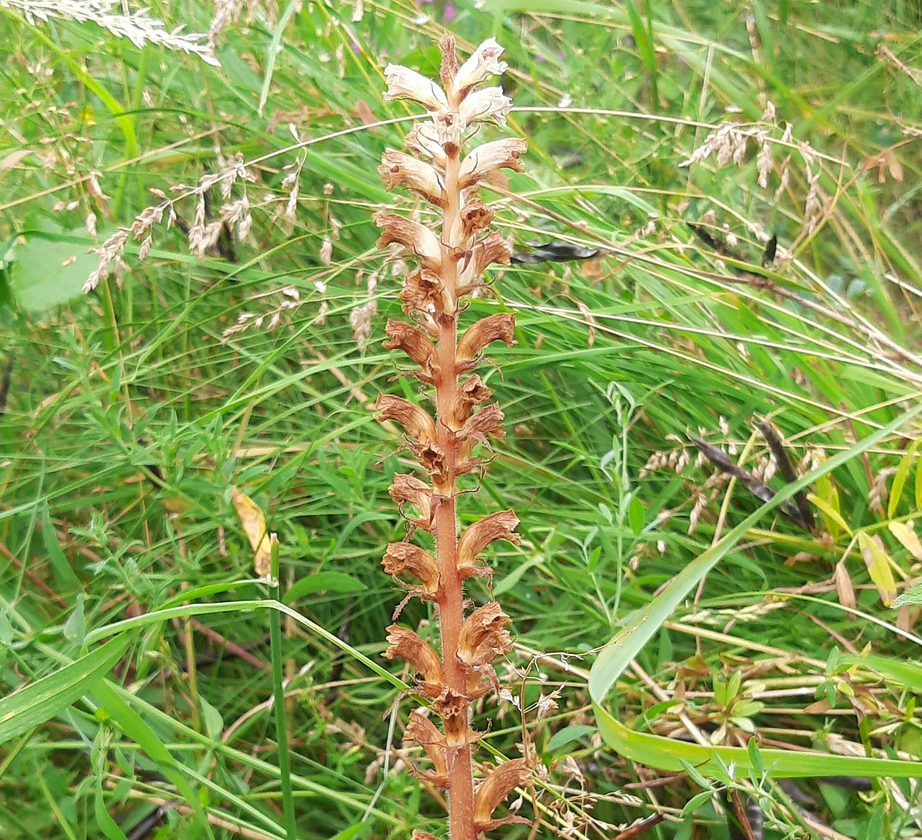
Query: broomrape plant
[(451, 259)]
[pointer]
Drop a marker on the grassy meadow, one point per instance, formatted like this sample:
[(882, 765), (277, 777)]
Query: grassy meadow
[(740, 186)]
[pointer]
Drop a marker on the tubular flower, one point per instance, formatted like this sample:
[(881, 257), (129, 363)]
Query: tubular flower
[(499, 154), (417, 424), (496, 787), (418, 240), (474, 218), (406, 558), (451, 258), (404, 83), (492, 328), (407, 645), (496, 526), (491, 249), (484, 105), (452, 708), (423, 139), (472, 392), (408, 489), (484, 635), (399, 169), (413, 342), (420, 730), (483, 63)]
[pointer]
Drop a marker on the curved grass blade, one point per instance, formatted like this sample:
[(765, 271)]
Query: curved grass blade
[(42, 700)]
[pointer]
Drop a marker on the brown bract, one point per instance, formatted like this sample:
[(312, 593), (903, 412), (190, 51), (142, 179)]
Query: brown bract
[(452, 708)]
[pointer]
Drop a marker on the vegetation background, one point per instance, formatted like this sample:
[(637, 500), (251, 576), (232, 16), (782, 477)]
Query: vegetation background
[(132, 412)]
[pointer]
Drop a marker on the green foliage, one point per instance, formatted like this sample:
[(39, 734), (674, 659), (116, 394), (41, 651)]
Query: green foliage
[(131, 412)]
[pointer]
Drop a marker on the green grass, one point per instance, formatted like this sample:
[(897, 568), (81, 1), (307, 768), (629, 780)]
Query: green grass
[(131, 415)]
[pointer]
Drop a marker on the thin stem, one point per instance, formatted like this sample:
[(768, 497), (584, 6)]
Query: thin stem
[(278, 689)]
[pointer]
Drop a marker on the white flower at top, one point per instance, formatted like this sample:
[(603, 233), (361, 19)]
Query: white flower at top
[(483, 63)]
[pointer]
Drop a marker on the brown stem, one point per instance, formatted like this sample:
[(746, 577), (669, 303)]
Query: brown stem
[(451, 600)]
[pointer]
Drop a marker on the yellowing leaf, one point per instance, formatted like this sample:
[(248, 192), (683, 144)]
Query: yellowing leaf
[(907, 538), (878, 562), (254, 524), (830, 513)]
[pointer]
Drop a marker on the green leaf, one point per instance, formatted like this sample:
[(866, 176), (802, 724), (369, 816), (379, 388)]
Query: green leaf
[(59, 563), (49, 271), (899, 479), (75, 626), (910, 598), (325, 582), (636, 516), (214, 723), (568, 736), (108, 826), (49, 696)]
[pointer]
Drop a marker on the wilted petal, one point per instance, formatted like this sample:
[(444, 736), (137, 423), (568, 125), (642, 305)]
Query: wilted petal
[(497, 154), (406, 644), (486, 423), (491, 249), (474, 218), (424, 291), (496, 526), (499, 327), (400, 169), (453, 709), (417, 424), (484, 635), (404, 83), (487, 104), (423, 138), (483, 63), (418, 240), (432, 460), (406, 558), (472, 392), (420, 730), (408, 489), (496, 787), (414, 342)]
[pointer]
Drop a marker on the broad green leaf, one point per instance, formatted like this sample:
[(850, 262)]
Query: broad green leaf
[(50, 271), (48, 696)]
